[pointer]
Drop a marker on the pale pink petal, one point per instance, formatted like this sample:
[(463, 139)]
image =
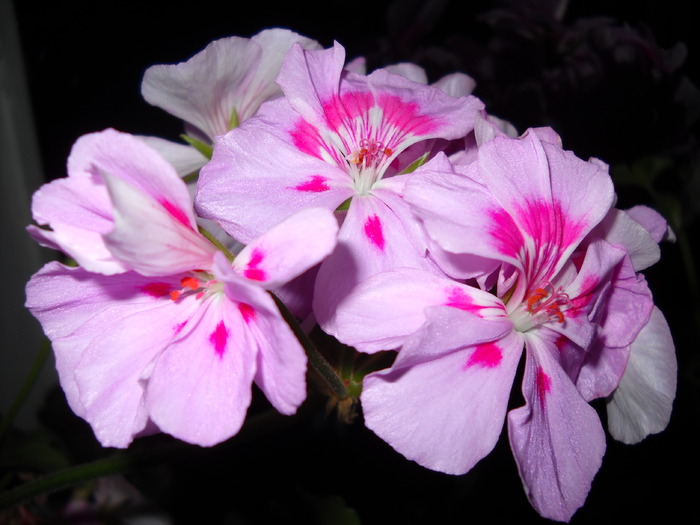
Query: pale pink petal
[(653, 222), (80, 208), (423, 112), (445, 411), (619, 228), (454, 208), (257, 176), (105, 332), (289, 249), (559, 201), (204, 90), (78, 212), (281, 361), (274, 43), (402, 111), (533, 222), (557, 439), (154, 237), (382, 311), (357, 65), (626, 311), (372, 239), (308, 77), (130, 159), (642, 403), (184, 158), (586, 293), (547, 134), (456, 84), (411, 71), (112, 371), (200, 388), (461, 265)]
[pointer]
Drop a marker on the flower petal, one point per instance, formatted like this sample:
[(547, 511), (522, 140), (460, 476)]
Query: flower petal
[(247, 192), (154, 237), (642, 403), (372, 239), (281, 361), (653, 222), (275, 44), (78, 211), (289, 249), (445, 412), (620, 228), (625, 312), (204, 90), (184, 158), (200, 388), (557, 439), (105, 332), (384, 310)]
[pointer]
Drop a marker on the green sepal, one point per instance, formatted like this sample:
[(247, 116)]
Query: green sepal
[(415, 164), (345, 206), (191, 177), (233, 122), (205, 149)]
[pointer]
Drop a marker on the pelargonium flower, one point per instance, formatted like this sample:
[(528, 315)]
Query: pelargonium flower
[(526, 205), (216, 89), (333, 138), (176, 338)]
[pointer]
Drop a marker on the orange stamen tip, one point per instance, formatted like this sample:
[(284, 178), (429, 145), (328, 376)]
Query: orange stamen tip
[(175, 294), (388, 152), (189, 282)]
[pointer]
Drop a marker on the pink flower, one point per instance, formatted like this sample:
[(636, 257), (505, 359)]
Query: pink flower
[(177, 337), (333, 138), (520, 212)]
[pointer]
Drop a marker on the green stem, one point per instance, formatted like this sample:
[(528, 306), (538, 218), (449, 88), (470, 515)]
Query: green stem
[(116, 464), (217, 243), (134, 459), (27, 386), (316, 359)]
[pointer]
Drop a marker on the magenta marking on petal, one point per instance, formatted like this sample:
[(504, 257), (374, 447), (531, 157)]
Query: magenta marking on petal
[(406, 116), (254, 274), (178, 327), (307, 139), (457, 298), (579, 304), (544, 385), (156, 289), (373, 231), (561, 343), (218, 338), (488, 355), (252, 271), (343, 110), (247, 312), (507, 236), (176, 212), (317, 184)]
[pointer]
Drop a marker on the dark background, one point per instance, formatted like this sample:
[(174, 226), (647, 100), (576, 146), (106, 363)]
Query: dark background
[(617, 80)]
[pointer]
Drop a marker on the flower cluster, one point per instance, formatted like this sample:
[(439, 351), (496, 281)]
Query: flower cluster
[(396, 215)]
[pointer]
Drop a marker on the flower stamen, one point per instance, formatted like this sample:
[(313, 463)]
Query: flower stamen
[(548, 301)]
